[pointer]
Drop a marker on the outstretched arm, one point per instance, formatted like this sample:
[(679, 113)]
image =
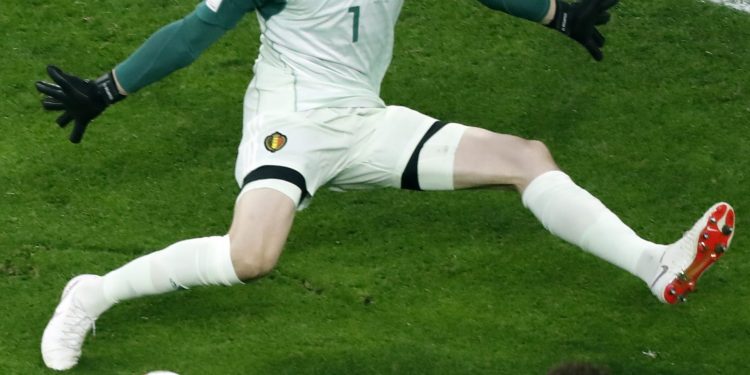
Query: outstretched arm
[(576, 20), (180, 43), (172, 47)]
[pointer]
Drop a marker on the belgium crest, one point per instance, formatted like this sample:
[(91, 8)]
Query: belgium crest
[(275, 142)]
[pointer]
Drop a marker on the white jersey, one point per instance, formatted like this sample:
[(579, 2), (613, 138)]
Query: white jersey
[(324, 53)]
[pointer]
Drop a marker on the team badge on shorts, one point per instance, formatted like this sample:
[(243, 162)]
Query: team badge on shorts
[(275, 142)]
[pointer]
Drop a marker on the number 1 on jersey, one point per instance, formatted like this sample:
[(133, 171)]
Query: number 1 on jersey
[(355, 32)]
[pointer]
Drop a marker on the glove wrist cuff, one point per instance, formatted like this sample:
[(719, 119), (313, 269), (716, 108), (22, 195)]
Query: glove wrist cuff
[(108, 88), (561, 20)]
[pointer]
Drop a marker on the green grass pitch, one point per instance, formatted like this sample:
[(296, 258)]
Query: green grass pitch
[(385, 282)]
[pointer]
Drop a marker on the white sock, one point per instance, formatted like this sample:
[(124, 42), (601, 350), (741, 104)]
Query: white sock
[(199, 261), (573, 214)]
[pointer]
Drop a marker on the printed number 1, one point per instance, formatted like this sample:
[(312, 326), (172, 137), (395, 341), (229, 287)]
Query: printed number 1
[(355, 33)]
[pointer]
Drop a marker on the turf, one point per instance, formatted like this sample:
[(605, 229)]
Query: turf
[(385, 282)]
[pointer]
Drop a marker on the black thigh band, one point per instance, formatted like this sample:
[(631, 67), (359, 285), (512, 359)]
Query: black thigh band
[(278, 173), (410, 177)]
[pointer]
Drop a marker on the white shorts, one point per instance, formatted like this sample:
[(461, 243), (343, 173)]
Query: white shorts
[(348, 148)]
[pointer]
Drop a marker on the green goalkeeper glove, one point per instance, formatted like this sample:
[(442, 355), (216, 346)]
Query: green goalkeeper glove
[(579, 21), (81, 100)]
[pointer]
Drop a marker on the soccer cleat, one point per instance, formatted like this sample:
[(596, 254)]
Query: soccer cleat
[(684, 261), (65, 332)]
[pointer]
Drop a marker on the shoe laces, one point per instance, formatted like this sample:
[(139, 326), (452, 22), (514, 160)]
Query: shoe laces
[(681, 253), (688, 240)]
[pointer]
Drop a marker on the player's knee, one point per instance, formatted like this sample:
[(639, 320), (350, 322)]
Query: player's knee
[(253, 267), (533, 158), (252, 261), (524, 159), (536, 160), (537, 153), (521, 153)]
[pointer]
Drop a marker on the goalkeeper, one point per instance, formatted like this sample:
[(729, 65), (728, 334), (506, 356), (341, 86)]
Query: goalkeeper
[(313, 116)]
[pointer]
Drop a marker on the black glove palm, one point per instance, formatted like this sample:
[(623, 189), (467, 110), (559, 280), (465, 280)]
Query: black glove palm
[(579, 21), (80, 100)]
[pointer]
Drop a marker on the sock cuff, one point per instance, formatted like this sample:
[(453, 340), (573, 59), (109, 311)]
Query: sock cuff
[(542, 183), (227, 268)]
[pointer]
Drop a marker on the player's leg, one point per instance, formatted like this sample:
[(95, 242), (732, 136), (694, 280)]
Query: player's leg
[(433, 155), (262, 220), (274, 185), (261, 223), (484, 158)]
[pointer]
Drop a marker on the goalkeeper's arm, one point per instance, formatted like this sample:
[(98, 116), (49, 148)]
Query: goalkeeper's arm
[(178, 44), (576, 20), (172, 47)]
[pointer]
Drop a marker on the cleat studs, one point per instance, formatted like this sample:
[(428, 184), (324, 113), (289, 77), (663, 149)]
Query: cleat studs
[(713, 255), (705, 235), (673, 292), (703, 246), (712, 220), (682, 299), (727, 230), (682, 276), (720, 249)]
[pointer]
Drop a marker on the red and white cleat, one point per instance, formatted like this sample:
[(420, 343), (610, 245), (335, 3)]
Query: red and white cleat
[(684, 261)]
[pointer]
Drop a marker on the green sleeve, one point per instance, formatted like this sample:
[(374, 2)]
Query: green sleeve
[(180, 43), (533, 10)]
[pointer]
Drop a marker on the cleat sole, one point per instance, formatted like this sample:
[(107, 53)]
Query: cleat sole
[(720, 249), (716, 238)]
